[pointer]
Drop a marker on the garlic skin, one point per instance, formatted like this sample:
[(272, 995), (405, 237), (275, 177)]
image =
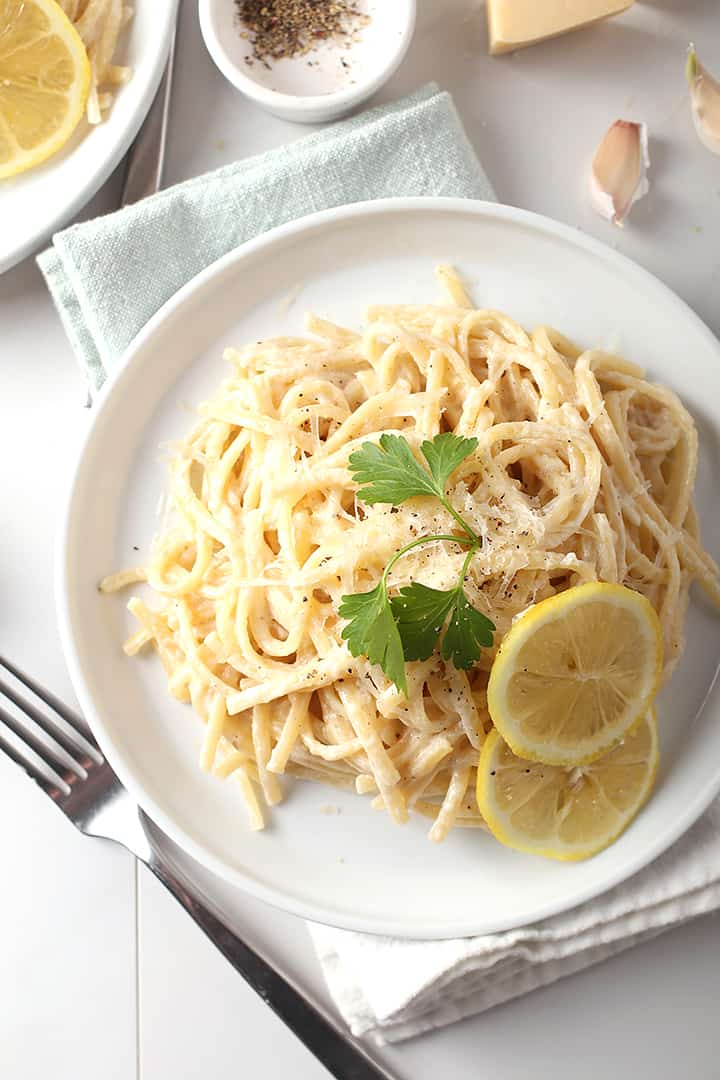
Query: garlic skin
[(618, 176), (704, 101)]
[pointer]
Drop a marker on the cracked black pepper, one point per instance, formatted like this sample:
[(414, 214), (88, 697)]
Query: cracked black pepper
[(284, 28)]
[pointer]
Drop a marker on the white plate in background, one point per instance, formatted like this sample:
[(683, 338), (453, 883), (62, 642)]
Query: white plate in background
[(355, 868), (38, 202)]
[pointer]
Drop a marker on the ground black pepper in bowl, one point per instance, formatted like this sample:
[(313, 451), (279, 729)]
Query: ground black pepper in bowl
[(279, 29)]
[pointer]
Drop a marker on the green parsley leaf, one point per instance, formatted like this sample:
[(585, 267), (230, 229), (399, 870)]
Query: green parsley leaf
[(389, 632), (390, 471), (392, 474), (372, 632), (468, 632), (420, 613), (444, 454)]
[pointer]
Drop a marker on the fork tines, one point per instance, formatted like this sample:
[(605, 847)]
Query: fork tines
[(50, 742)]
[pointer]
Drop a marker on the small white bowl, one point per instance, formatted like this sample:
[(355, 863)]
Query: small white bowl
[(323, 84)]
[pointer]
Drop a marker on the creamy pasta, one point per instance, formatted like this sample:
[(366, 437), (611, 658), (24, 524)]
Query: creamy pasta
[(584, 471)]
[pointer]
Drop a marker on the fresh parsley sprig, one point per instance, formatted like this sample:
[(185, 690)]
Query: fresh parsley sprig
[(372, 631), (391, 474), (390, 631)]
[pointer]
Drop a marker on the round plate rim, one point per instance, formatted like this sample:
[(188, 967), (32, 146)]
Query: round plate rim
[(275, 896)]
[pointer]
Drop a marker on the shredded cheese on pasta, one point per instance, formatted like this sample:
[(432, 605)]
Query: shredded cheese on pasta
[(584, 471)]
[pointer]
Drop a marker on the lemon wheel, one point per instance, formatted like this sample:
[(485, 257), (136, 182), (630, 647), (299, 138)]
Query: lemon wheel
[(44, 82), (575, 673), (566, 813)]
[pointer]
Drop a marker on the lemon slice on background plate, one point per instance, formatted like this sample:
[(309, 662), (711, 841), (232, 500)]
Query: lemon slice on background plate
[(566, 813), (44, 82), (575, 672)]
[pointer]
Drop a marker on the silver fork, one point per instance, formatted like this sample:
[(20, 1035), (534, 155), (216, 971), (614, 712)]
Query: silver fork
[(55, 747)]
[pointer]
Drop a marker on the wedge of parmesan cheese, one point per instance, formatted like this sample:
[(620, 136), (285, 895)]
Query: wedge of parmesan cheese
[(514, 24)]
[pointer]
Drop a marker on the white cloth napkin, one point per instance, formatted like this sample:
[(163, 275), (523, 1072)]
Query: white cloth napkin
[(393, 989)]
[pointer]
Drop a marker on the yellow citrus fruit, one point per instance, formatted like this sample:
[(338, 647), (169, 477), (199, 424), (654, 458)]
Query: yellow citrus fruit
[(566, 813), (575, 672), (44, 82)]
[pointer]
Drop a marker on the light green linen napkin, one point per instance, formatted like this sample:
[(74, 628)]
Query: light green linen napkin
[(108, 276)]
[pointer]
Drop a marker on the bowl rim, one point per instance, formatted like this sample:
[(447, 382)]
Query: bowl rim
[(303, 102)]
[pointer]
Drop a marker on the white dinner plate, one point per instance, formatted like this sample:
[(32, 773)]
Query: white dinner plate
[(352, 867), (37, 203)]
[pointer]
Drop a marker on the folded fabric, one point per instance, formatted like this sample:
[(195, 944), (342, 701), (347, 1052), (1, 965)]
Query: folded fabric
[(108, 276), (392, 989)]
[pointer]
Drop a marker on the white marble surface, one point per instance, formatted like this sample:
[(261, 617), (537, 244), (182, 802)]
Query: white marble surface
[(101, 975)]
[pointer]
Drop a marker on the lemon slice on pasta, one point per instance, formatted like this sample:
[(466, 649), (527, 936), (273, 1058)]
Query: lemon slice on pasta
[(575, 673), (44, 82), (566, 813)]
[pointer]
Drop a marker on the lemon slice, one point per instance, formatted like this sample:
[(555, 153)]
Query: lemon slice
[(575, 673), (44, 82), (566, 813)]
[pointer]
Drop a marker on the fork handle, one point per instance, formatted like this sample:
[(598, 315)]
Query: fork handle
[(338, 1051)]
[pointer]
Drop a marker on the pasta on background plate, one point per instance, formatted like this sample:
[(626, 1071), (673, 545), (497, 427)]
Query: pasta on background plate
[(99, 24)]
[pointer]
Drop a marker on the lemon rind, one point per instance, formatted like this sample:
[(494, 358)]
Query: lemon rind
[(77, 97), (516, 637), (512, 840)]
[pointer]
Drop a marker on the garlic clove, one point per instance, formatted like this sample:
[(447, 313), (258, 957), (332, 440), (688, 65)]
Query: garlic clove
[(705, 102), (618, 176)]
